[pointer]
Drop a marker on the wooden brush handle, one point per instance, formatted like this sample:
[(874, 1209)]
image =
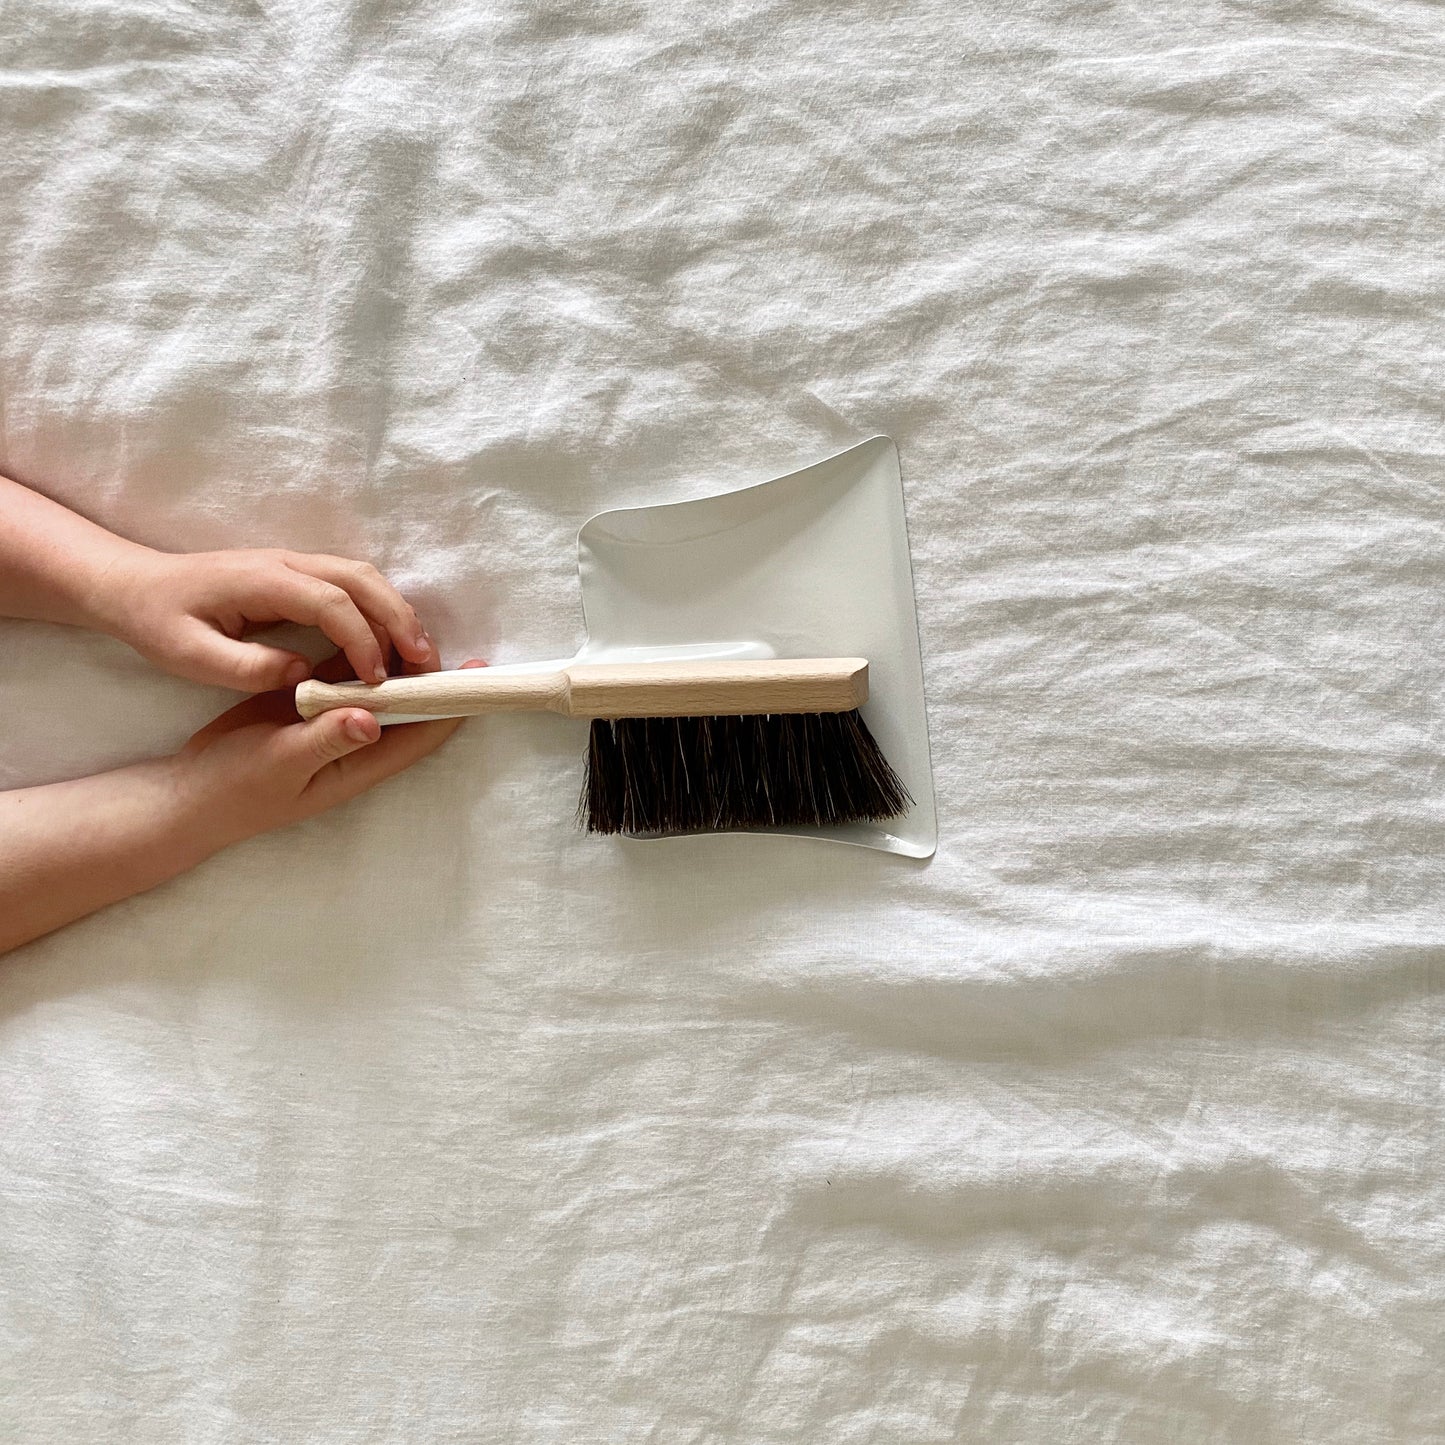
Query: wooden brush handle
[(611, 690), (440, 694)]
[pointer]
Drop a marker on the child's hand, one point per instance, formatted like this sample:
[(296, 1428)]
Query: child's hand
[(190, 613), (67, 849), (259, 766)]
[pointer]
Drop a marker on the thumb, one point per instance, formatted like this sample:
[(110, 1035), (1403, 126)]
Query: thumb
[(246, 666), (310, 746)]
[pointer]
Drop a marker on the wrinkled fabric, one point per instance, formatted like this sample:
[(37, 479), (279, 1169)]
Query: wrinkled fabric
[(431, 1119)]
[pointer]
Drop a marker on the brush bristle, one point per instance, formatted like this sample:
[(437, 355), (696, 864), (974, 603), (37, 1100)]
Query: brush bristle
[(711, 774)]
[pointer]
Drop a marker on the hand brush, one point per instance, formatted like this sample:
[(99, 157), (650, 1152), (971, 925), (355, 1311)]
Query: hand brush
[(684, 746)]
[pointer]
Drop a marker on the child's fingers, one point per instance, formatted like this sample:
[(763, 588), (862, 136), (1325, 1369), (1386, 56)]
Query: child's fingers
[(433, 664), (308, 747), (223, 661), (297, 597), (273, 709), (334, 669), (400, 746), (375, 596), (383, 642)]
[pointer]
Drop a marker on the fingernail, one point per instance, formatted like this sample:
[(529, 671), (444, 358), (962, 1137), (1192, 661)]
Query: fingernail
[(422, 643), (378, 673), (357, 730), (298, 672)]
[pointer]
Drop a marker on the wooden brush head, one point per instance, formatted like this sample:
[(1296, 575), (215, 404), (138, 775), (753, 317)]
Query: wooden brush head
[(709, 689)]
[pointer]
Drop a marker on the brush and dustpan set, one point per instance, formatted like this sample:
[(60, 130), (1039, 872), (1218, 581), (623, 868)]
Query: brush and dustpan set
[(751, 664)]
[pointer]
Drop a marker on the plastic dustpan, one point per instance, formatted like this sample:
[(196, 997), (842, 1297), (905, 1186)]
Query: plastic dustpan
[(811, 564)]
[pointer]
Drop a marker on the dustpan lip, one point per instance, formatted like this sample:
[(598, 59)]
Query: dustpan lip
[(887, 444)]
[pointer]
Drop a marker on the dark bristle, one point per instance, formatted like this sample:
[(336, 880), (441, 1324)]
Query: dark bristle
[(710, 774)]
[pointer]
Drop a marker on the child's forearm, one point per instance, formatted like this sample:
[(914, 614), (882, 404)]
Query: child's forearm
[(54, 565), (67, 849)]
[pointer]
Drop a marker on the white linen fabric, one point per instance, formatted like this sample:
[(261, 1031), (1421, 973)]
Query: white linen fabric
[(432, 1120)]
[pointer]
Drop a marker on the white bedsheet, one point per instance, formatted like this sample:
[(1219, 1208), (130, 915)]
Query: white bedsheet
[(432, 1120)]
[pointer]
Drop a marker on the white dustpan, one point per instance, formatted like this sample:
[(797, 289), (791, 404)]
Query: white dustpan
[(811, 564)]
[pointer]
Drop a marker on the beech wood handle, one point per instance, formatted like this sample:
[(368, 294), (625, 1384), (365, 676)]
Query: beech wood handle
[(610, 690)]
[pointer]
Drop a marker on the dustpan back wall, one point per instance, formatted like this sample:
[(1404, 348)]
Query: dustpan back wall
[(432, 1119)]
